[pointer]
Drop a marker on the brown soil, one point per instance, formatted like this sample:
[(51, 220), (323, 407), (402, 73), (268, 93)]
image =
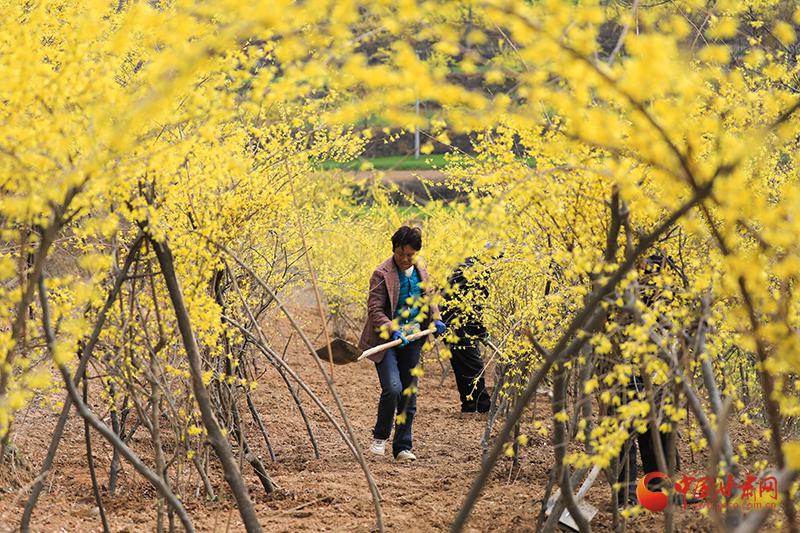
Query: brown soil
[(399, 176), (421, 185), (325, 494)]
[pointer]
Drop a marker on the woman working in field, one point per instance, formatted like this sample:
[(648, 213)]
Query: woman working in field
[(396, 307)]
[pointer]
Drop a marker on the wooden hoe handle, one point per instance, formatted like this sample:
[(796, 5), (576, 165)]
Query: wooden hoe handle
[(381, 347)]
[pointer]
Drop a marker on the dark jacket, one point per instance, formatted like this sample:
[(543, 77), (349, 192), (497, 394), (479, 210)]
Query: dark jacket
[(384, 291), (467, 324), (648, 293)]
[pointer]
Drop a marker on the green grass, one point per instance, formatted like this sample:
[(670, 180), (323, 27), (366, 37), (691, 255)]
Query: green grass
[(405, 212), (397, 162), (393, 162)]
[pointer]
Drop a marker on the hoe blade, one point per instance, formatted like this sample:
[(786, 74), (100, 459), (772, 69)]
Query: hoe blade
[(587, 510), (343, 352)]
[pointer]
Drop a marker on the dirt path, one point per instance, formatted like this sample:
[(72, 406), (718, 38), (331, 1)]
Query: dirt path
[(422, 185), (325, 494), (400, 176)]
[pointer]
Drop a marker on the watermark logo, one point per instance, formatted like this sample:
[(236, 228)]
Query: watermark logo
[(752, 493), (652, 501)]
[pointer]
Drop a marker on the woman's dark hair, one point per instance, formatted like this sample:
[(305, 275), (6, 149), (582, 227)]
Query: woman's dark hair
[(407, 235)]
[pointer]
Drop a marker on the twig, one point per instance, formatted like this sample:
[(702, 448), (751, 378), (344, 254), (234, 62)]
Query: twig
[(217, 439), (275, 360), (260, 423), (566, 346), (280, 370), (304, 505), (209, 488), (373, 487), (102, 428), (559, 403), (311, 268), (90, 461), (85, 354), (618, 46)]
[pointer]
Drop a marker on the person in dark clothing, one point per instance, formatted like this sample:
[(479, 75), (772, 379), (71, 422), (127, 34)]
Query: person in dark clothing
[(463, 312), (649, 293), (628, 471)]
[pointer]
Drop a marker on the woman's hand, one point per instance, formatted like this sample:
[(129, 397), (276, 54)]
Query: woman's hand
[(399, 335)]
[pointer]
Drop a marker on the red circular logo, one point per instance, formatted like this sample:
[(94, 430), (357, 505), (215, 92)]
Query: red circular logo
[(653, 501)]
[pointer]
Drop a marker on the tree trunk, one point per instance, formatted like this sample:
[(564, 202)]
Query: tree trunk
[(218, 441)]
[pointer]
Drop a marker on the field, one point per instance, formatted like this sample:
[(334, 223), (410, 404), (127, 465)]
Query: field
[(606, 200), (329, 493)]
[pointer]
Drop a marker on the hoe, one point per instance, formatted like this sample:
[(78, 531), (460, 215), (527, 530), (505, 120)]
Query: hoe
[(345, 352), (586, 509)]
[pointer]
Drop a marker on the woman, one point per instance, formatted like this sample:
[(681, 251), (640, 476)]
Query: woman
[(396, 307)]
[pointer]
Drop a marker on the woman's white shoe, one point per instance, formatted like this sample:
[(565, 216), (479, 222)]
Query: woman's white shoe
[(405, 456), (378, 446)]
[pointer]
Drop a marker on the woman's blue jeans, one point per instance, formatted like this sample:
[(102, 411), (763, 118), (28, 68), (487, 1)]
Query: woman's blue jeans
[(394, 372)]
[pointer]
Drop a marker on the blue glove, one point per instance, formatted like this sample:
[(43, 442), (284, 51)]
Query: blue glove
[(440, 327), (485, 339), (399, 335)]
